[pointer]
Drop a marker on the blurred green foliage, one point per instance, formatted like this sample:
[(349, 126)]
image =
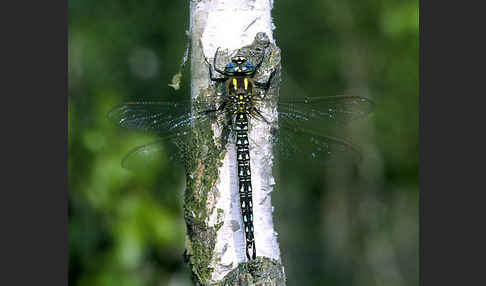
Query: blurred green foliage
[(337, 226)]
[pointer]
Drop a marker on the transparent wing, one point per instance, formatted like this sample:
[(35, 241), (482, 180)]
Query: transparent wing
[(295, 143), (152, 155), (159, 117), (306, 126), (324, 109), (171, 121)]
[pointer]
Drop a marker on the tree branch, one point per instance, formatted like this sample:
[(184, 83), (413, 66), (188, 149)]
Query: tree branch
[(215, 240)]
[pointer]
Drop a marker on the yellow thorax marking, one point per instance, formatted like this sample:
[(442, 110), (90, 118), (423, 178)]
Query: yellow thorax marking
[(246, 83), (235, 83)]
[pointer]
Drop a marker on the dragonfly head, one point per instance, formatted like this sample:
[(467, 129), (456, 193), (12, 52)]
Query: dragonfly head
[(239, 59), (239, 65)]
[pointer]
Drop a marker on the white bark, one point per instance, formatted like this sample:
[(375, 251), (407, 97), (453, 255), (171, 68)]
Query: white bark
[(232, 24)]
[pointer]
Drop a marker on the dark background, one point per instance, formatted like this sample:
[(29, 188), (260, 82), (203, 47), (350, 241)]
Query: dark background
[(340, 225)]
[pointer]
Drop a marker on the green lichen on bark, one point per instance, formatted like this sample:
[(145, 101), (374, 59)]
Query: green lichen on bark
[(260, 272), (203, 157)]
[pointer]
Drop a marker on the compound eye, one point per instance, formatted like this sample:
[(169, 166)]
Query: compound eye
[(248, 67), (230, 67)]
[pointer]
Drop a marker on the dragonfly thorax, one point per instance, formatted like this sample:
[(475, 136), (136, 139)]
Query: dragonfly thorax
[(240, 94)]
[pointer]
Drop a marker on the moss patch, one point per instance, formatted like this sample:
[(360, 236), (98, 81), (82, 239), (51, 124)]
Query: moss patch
[(261, 271)]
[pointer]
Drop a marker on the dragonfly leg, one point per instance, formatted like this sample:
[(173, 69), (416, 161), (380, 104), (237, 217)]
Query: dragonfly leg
[(214, 63), (210, 67), (215, 111), (255, 112)]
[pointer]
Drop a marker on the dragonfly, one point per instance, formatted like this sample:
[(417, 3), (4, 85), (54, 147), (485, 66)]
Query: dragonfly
[(301, 124)]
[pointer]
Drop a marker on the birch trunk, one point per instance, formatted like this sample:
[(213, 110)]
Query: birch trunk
[(215, 239)]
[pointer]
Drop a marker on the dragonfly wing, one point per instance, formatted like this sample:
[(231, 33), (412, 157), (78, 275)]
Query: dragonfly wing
[(307, 125), (164, 118), (152, 155), (295, 142), (171, 121), (324, 110)]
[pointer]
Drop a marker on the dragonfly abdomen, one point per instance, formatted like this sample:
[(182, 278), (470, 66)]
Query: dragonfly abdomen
[(244, 181)]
